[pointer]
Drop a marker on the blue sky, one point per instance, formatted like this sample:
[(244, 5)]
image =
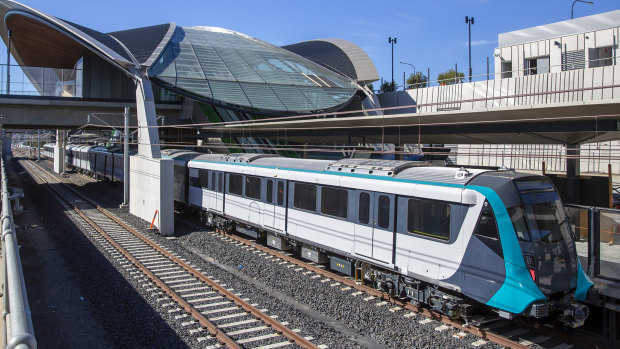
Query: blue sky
[(431, 34)]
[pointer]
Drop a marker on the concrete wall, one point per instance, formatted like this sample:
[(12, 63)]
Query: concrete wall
[(151, 190)]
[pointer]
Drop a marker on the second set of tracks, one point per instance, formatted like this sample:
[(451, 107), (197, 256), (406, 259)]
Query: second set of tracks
[(230, 320)]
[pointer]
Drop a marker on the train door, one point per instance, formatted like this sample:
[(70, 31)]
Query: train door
[(269, 213), (383, 234), (364, 224), (276, 216), (219, 193)]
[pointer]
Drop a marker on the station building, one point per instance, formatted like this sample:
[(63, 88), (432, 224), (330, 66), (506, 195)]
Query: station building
[(217, 75)]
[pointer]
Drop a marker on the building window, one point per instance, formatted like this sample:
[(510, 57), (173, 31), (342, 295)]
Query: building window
[(334, 202), (364, 208), (539, 65), (572, 60), (601, 56), (252, 187), (280, 196), (305, 197), (429, 218), (270, 191), (506, 70), (235, 184), (384, 212)]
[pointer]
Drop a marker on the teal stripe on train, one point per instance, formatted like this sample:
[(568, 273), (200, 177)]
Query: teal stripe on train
[(518, 290)]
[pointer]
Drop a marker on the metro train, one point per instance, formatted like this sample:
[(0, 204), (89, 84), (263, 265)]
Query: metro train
[(451, 238)]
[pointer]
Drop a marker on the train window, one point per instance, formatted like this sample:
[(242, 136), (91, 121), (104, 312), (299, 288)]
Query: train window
[(430, 218), (487, 226), (235, 184), (194, 182), (270, 191), (212, 186), (252, 187), (517, 216), (220, 183), (334, 202), (384, 212), (280, 193), (204, 178), (305, 196), (364, 208)]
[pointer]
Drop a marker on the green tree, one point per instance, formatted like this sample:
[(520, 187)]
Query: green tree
[(450, 77), (417, 80), (388, 86)]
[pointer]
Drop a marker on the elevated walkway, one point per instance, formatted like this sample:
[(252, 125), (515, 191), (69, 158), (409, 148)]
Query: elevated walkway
[(40, 112), (572, 107)]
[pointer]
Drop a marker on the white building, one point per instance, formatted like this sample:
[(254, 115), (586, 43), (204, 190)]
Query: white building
[(568, 50), (579, 43)]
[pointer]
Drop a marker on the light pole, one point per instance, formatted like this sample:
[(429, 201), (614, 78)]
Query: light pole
[(392, 41), (469, 21), (411, 67), (573, 6)]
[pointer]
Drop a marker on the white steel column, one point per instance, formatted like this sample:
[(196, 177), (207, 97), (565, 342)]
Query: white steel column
[(126, 160), (148, 135), (59, 152)]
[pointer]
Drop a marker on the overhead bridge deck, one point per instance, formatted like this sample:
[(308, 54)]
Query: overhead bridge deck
[(569, 107)]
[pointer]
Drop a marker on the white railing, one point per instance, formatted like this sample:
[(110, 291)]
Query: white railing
[(18, 330), (580, 85)]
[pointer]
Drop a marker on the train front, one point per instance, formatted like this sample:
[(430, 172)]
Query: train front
[(546, 244)]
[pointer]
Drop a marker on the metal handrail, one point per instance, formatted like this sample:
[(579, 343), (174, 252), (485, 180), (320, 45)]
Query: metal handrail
[(18, 330)]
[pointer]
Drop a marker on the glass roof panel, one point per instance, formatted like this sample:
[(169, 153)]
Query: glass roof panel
[(228, 91), (237, 69), (262, 96)]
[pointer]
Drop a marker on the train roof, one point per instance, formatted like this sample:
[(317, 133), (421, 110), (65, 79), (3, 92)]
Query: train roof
[(410, 170), (179, 154)]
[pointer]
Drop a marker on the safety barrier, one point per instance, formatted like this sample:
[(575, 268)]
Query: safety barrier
[(597, 235), (18, 330)]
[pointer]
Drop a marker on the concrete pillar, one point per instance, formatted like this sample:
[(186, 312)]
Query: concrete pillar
[(573, 172), (59, 152), (151, 177), (573, 162), (38, 145)]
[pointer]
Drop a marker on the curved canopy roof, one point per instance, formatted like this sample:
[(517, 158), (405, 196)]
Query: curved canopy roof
[(340, 55), (227, 66), (215, 65)]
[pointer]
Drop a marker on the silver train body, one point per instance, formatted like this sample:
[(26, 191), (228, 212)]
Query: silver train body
[(451, 238)]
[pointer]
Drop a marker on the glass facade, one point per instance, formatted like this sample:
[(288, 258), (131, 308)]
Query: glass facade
[(229, 67)]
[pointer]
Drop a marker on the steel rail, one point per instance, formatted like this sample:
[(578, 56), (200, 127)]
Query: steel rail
[(277, 326), (212, 328)]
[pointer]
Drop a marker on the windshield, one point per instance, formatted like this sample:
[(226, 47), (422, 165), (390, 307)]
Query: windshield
[(553, 242), (546, 215)]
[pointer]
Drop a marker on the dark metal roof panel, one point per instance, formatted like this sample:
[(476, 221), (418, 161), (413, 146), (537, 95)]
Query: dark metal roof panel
[(145, 43), (339, 55)]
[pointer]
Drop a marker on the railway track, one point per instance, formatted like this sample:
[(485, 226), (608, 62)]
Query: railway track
[(206, 305), (496, 330)]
